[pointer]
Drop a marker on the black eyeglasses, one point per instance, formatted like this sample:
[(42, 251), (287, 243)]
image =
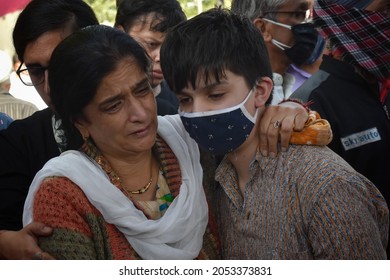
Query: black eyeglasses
[(31, 76), (302, 15)]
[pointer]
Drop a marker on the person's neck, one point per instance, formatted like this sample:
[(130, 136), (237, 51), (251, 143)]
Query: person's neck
[(132, 170), (242, 157), (278, 64)]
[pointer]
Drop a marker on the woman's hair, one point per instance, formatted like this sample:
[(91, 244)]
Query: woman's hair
[(41, 16), (167, 13), (80, 63), (211, 43)]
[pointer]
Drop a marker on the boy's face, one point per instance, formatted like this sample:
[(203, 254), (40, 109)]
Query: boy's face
[(228, 92), (151, 41)]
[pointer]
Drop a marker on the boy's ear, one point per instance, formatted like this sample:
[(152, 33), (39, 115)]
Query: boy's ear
[(263, 89), (263, 27)]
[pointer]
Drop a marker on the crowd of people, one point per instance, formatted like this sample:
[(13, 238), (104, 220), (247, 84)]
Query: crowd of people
[(175, 138)]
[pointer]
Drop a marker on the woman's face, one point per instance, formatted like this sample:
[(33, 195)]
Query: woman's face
[(121, 118)]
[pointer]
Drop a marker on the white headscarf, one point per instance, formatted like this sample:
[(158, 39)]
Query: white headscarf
[(177, 235)]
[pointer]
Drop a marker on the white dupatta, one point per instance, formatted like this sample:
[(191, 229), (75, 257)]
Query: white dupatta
[(176, 235)]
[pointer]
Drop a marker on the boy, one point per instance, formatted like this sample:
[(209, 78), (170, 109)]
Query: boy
[(306, 203)]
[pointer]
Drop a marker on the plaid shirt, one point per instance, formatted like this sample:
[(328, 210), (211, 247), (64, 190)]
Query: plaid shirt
[(360, 37)]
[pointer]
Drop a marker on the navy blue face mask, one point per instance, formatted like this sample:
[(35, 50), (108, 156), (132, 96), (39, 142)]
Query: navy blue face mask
[(220, 131), (308, 43)]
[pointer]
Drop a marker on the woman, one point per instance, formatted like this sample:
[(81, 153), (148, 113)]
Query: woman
[(103, 90)]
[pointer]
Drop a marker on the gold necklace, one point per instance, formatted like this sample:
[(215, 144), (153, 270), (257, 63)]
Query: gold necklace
[(147, 186), (143, 189)]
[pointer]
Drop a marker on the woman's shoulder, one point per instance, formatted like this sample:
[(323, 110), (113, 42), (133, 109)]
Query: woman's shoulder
[(59, 193)]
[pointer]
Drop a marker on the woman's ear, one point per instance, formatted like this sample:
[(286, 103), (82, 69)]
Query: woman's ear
[(263, 90), (264, 28), (81, 125)]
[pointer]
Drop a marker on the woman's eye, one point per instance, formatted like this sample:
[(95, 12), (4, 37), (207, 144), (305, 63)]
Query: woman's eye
[(143, 91), (113, 107)]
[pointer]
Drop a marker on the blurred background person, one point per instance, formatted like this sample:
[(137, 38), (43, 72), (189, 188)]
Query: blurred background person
[(148, 22), (351, 88), (24, 90), (5, 120), (14, 107), (289, 37)]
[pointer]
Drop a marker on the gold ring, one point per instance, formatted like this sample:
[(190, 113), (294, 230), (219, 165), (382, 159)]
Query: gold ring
[(277, 124)]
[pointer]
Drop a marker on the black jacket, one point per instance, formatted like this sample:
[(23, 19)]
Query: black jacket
[(24, 148), (360, 123)]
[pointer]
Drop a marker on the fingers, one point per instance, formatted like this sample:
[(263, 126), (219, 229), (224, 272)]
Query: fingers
[(38, 229), (272, 138), (40, 255), (277, 124), (299, 121), (267, 136), (285, 132)]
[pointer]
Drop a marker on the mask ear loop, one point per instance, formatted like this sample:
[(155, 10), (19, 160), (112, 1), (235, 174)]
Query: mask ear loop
[(280, 45), (277, 23), (253, 119)]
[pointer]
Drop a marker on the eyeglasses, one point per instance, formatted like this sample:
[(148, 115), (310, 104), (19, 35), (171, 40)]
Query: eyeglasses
[(301, 16), (31, 76)]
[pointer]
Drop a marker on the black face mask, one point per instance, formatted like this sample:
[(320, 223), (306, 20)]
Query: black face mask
[(308, 43)]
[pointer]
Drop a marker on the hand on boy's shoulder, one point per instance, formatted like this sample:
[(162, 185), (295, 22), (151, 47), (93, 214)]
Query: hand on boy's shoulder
[(317, 131)]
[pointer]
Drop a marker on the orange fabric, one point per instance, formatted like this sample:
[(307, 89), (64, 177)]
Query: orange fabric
[(317, 131)]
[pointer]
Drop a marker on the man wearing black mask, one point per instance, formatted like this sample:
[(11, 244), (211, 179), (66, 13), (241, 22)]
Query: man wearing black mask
[(352, 87), (288, 36)]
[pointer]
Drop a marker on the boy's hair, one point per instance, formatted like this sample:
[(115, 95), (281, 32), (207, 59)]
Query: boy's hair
[(211, 43), (41, 16), (166, 13)]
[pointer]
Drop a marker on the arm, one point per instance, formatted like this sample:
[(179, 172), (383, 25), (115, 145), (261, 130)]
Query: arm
[(18, 245), (60, 204)]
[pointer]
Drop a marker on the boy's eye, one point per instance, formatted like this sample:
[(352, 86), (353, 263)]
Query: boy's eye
[(184, 100), (151, 45), (216, 96)]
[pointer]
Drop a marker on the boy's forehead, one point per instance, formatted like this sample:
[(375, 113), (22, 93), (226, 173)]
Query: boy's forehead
[(146, 21), (209, 79)]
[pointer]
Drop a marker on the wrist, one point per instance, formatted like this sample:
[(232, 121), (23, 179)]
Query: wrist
[(297, 101)]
